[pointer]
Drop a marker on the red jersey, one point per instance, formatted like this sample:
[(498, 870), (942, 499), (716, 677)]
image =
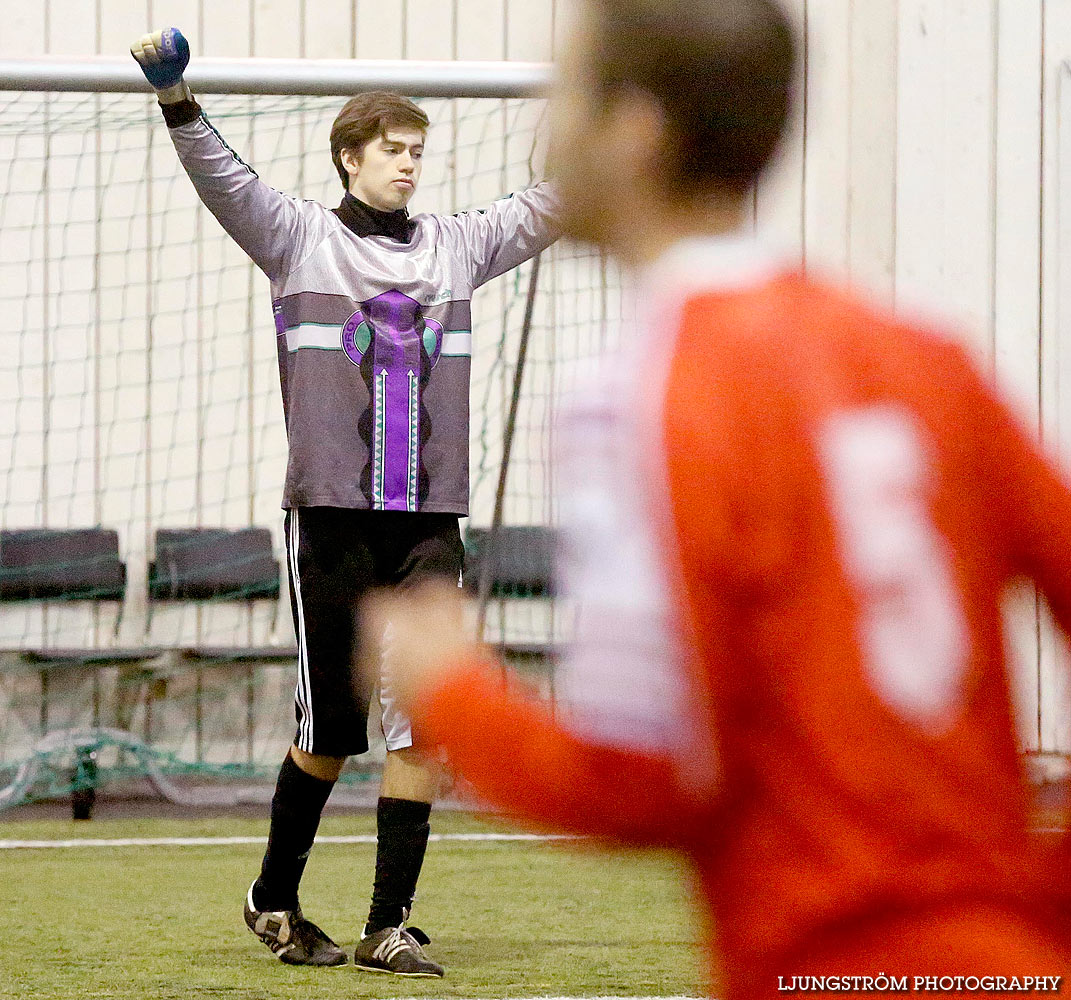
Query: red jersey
[(830, 504)]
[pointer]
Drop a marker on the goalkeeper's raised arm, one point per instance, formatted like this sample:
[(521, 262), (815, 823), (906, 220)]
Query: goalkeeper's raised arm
[(269, 226)]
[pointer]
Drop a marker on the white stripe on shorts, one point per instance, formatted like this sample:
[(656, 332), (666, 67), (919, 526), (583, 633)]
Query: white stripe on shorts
[(303, 690)]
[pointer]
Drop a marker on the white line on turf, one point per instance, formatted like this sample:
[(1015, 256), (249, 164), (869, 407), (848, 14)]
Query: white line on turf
[(369, 838)]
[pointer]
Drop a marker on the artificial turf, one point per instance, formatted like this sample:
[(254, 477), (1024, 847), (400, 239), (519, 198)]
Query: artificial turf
[(508, 919)]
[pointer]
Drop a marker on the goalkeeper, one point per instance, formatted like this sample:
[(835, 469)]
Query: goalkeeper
[(373, 331)]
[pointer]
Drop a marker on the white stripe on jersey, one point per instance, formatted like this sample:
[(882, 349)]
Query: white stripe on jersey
[(457, 344), (322, 336), (328, 337)]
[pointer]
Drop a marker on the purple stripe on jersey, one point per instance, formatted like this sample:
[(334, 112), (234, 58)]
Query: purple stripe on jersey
[(396, 357)]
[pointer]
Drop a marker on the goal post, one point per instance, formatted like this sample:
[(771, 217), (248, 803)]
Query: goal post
[(140, 388)]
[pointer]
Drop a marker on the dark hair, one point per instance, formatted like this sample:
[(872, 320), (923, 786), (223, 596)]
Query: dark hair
[(368, 116), (720, 70)]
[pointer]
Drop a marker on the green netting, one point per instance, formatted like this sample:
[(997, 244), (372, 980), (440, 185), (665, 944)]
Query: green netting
[(139, 391)]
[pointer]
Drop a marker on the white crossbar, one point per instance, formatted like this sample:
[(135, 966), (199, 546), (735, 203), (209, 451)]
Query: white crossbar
[(304, 77)]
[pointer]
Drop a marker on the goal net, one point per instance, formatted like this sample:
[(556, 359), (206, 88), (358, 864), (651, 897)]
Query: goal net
[(139, 391)]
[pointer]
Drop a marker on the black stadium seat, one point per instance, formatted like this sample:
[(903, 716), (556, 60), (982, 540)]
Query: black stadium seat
[(218, 564), (61, 564), (520, 561), (213, 564)]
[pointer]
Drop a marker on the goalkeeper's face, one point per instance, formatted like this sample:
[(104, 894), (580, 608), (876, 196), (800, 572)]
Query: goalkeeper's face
[(386, 172)]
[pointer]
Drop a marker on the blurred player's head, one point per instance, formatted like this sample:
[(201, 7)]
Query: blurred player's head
[(377, 142), (669, 108)]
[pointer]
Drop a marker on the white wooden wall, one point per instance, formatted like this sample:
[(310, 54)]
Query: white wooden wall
[(930, 166)]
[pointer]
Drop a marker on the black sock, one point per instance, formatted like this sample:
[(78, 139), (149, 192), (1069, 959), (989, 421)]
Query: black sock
[(295, 814), (402, 838)]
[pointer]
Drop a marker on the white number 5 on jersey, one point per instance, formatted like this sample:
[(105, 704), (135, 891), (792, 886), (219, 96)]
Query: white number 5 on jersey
[(912, 629)]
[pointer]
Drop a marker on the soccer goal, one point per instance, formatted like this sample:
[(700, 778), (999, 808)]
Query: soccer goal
[(140, 395)]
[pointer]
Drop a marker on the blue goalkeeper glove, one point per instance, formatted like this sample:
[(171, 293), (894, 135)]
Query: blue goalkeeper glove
[(162, 55)]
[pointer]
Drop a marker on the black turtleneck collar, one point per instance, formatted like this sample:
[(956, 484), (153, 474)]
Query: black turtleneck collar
[(364, 220)]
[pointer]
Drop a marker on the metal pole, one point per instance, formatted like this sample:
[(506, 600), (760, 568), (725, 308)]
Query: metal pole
[(299, 77), (484, 588)]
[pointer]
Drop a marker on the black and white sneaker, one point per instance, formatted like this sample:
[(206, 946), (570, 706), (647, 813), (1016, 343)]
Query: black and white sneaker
[(398, 951), (295, 940)]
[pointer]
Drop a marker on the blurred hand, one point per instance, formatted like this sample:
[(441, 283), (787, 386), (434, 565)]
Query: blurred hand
[(427, 636)]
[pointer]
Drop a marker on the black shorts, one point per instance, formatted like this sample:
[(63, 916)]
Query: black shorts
[(334, 557)]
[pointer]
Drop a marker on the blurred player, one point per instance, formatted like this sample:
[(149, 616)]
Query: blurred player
[(373, 330), (789, 521)]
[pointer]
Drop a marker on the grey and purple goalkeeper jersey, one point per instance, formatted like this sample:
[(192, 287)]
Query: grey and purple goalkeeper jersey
[(374, 336)]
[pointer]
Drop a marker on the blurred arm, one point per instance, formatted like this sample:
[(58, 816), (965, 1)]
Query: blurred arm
[(520, 759)]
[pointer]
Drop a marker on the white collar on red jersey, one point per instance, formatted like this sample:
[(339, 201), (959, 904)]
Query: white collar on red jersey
[(733, 261)]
